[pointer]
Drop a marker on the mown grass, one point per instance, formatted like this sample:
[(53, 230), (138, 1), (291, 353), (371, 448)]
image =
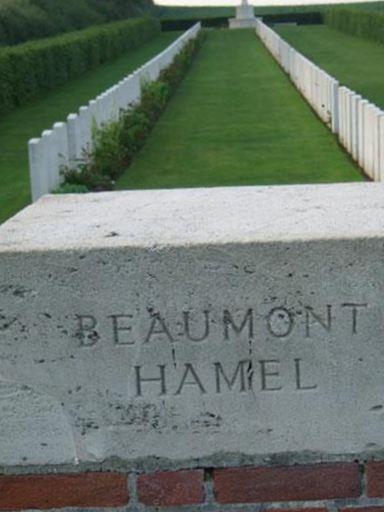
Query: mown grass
[(29, 121), (237, 120), (355, 62)]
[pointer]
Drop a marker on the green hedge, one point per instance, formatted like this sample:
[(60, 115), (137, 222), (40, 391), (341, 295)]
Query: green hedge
[(185, 24), (302, 18), (24, 20), (356, 22), (29, 70)]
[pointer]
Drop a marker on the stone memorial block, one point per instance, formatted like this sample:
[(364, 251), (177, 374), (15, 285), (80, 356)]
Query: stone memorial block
[(245, 17), (193, 323)]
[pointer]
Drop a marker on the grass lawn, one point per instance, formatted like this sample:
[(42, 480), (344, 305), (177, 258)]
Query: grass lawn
[(237, 120), (29, 121), (355, 62)]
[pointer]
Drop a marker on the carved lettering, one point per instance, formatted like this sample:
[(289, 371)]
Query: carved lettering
[(280, 322), (194, 326), (241, 373), (217, 378), (229, 322), (299, 379), (86, 330), (354, 311), (161, 380), (187, 327), (158, 327), (190, 371), (311, 315), (118, 328), (269, 368)]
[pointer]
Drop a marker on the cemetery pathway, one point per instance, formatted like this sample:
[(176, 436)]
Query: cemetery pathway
[(237, 120), (355, 62), (29, 121)]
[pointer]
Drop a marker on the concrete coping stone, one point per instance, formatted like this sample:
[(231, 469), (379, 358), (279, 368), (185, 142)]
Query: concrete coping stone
[(197, 216), (182, 324)]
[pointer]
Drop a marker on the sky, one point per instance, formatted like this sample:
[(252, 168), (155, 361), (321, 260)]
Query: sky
[(229, 3)]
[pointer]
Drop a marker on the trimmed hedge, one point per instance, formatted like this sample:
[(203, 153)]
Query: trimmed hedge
[(117, 143), (24, 20), (29, 70), (356, 22), (302, 18), (167, 12), (185, 24)]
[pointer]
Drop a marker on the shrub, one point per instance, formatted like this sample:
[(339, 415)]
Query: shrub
[(23, 20), (118, 9), (134, 130), (356, 22), (301, 18), (20, 20), (107, 159), (31, 69), (154, 99), (116, 143), (69, 15), (85, 176)]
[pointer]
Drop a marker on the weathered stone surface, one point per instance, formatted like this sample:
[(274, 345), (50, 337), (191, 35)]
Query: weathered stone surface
[(256, 311)]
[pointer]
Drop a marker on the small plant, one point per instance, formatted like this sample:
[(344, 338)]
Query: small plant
[(116, 143), (135, 129), (155, 96), (86, 175), (106, 159)]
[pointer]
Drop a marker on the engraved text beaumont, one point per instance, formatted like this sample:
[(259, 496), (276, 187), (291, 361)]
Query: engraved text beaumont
[(194, 326)]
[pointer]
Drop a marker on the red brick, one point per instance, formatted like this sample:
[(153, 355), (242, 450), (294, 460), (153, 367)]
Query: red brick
[(292, 483), (375, 479), (58, 491), (305, 509), (361, 509), (167, 489)]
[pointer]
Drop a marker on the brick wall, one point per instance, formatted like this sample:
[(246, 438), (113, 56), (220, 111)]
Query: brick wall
[(333, 487)]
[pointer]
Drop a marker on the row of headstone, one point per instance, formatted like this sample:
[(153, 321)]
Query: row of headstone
[(361, 132), (317, 86), (67, 144), (358, 123)]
